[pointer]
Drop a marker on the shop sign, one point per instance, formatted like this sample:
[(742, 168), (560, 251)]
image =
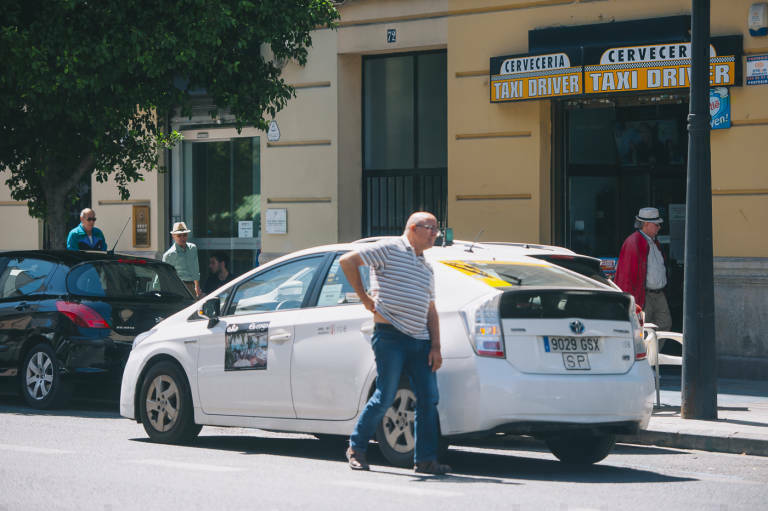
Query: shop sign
[(522, 77), (757, 70), (719, 108), (584, 70), (653, 67)]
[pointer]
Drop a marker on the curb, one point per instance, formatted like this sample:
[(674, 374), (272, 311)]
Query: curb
[(733, 445)]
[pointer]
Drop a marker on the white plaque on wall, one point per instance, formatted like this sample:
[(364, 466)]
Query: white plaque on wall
[(277, 222)]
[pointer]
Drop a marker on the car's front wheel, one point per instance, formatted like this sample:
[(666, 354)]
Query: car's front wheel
[(581, 448), (396, 431), (41, 382), (166, 405)]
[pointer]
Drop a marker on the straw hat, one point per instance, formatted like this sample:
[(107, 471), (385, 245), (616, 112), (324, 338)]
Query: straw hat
[(649, 215), (180, 228)]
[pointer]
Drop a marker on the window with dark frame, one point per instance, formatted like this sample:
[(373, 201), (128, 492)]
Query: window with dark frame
[(404, 139)]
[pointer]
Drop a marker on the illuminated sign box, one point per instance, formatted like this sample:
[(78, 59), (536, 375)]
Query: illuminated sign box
[(524, 77), (653, 67), (609, 70)]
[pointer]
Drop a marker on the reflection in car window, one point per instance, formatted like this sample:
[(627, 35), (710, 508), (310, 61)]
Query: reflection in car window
[(336, 289), (507, 274), (280, 288), (24, 276), (116, 279)]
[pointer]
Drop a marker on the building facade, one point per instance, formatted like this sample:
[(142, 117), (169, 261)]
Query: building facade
[(549, 121)]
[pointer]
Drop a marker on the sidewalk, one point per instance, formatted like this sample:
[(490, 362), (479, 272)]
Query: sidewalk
[(741, 428)]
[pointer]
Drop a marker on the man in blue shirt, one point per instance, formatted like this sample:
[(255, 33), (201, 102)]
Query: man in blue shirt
[(86, 236)]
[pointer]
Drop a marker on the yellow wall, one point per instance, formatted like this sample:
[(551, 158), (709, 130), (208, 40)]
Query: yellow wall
[(501, 153)]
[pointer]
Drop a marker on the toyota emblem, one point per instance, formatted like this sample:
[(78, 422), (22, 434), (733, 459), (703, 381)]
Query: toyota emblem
[(577, 327)]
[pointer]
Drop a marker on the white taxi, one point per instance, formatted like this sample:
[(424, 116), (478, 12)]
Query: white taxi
[(529, 347)]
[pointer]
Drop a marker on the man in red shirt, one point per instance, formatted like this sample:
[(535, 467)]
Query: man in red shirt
[(641, 270)]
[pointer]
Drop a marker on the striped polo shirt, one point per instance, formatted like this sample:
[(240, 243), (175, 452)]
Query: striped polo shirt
[(402, 284)]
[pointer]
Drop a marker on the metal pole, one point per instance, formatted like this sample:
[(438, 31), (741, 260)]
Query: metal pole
[(699, 379)]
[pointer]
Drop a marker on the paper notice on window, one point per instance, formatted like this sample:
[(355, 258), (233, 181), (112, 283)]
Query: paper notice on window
[(245, 229)]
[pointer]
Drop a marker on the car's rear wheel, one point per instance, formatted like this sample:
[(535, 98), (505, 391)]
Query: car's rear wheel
[(396, 431), (166, 405), (41, 382), (581, 448)]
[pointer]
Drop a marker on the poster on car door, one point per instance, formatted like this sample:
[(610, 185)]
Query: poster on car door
[(246, 346)]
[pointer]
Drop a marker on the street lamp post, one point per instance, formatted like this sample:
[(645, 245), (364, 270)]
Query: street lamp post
[(699, 379)]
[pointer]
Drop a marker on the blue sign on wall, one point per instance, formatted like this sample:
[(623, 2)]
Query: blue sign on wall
[(719, 108)]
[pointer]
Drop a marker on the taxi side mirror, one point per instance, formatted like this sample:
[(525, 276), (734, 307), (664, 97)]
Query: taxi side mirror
[(211, 311)]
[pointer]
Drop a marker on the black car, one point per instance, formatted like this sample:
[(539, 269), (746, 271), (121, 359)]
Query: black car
[(66, 314)]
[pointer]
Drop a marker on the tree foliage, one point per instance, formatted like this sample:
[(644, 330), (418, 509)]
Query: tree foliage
[(84, 82)]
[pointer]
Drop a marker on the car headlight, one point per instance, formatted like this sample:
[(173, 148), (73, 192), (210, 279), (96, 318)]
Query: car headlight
[(142, 337)]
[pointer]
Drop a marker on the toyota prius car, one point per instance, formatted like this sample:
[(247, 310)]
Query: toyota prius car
[(529, 347)]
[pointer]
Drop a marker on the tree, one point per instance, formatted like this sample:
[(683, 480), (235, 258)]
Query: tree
[(85, 85)]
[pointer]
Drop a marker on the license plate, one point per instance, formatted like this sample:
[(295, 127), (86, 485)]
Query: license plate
[(571, 344), (576, 361)]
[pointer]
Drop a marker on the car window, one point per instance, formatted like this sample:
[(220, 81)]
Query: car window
[(130, 278), (24, 276), (336, 289), (515, 274), (281, 288)]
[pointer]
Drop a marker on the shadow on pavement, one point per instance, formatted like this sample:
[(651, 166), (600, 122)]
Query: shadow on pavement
[(77, 407), (468, 465)]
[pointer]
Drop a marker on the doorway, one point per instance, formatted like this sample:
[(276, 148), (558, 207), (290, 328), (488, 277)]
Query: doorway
[(615, 157), (221, 197)]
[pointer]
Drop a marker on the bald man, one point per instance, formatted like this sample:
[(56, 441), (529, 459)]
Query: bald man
[(406, 335), (86, 236)]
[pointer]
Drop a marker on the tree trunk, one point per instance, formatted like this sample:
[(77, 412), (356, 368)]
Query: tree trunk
[(56, 220), (57, 193)]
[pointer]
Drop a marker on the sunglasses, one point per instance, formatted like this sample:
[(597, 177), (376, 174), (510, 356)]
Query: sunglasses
[(432, 228), (91, 219)]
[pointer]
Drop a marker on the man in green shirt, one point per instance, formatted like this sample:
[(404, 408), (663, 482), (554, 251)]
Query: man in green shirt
[(183, 256)]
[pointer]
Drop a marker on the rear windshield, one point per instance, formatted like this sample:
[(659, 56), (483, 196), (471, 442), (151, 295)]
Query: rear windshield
[(503, 274), (555, 304), (118, 279)]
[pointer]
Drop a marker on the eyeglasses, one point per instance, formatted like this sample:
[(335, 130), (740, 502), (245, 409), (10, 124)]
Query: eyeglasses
[(91, 219), (432, 228)]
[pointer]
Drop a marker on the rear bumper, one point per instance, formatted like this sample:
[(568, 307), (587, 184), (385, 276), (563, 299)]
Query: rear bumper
[(488, 395)]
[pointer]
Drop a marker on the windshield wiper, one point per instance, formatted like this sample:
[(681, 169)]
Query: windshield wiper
[(515, 279)]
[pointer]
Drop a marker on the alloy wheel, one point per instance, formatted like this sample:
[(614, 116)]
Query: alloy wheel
[(162, 402), (398, 422), (39, 376)]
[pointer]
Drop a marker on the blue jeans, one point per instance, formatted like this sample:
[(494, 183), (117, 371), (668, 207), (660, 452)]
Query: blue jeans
[(395, 352)]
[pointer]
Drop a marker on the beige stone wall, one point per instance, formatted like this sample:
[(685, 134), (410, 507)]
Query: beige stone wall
[(112, 213), (299, 172), (18, 231)]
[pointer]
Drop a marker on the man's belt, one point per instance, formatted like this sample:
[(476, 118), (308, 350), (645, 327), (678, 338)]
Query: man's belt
[(661, 290)]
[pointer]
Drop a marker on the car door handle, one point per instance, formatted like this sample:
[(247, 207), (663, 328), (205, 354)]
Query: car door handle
[(367, 328), (280, 337), (22, 306)]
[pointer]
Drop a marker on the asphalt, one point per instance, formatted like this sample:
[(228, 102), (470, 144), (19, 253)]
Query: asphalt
[(741, 426)]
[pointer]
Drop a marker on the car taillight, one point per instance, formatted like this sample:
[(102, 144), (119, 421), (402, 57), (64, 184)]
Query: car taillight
[(82, 315), (483, 326), (636, 318)]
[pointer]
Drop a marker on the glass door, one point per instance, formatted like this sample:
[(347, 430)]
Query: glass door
[(222, 200)]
